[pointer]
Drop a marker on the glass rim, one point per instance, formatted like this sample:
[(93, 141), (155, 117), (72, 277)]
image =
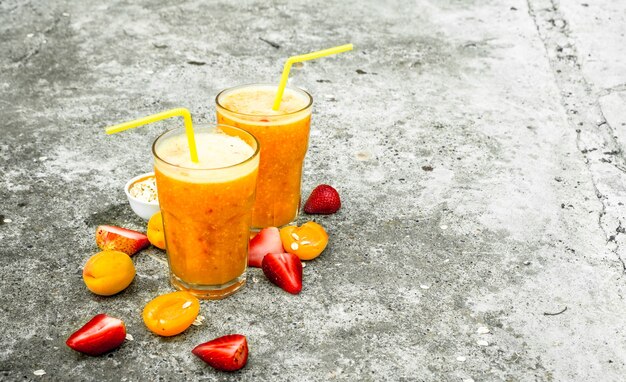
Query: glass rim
[(207, 126), (294, 88)]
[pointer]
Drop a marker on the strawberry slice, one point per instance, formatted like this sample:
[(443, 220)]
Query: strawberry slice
[(100, 335), (264, 242), (227, 353), (324, 199), (284, 270), (114, 238)]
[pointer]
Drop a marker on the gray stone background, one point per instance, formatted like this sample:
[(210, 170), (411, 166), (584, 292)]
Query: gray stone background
[(477, 145)]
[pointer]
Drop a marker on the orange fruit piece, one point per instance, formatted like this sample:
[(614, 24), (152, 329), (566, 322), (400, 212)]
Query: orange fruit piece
[(307, 242), (156, 233), (108, 272), (171, 313)]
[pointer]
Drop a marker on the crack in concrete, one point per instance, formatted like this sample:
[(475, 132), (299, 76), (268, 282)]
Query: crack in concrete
[(40, 45), (583, 112), (611, 90), (26, 56)]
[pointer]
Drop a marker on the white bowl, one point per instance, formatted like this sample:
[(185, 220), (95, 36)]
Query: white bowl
[(144, 210)]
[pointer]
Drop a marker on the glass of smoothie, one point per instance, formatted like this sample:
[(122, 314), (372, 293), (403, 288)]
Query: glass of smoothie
[(283, 136), (207, 207)]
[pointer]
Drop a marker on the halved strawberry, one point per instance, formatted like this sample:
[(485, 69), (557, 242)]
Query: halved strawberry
[(114, 238), (284, 270), (227, 353), (266, 241), (324, 199), (100, 335)]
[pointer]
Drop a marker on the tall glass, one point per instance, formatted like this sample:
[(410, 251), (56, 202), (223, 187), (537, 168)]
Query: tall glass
[(283, 136), (207, 207)]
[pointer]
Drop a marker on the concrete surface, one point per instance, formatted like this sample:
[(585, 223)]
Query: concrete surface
[(477, 145)]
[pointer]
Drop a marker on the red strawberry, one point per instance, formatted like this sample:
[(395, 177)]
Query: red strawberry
[(284, 270), (113, 238), (266, 241), (98, 336), (324, 200), (227, 353)]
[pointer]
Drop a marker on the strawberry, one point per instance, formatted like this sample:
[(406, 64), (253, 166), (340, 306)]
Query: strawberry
[(324, 200), (98, 336), (264, 242), (227, 353), (284, 270), (114, 238)]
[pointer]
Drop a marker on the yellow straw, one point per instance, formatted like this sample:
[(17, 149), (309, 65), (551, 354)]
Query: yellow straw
[(305, 57), (180, 112)]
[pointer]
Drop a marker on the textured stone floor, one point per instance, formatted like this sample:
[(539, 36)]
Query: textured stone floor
[(478, 147)]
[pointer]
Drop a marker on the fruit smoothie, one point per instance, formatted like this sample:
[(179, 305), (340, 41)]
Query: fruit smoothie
[(283, 136), (207, 207)]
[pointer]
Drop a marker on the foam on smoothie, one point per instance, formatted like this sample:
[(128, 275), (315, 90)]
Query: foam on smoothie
[(258, 101), (216, 152)]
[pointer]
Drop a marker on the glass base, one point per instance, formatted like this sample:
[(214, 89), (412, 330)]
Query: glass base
[(264, 221), (209, 292)]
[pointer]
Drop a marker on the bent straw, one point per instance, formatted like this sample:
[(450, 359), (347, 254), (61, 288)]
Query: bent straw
[(304, 57), (179, 112)]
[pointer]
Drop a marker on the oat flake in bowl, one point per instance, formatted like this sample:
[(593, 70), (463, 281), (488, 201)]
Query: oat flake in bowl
[(141, 192), (145, 190)]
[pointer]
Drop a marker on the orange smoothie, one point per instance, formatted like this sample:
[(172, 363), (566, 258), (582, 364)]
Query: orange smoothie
[(207, 207), (283, 136)]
